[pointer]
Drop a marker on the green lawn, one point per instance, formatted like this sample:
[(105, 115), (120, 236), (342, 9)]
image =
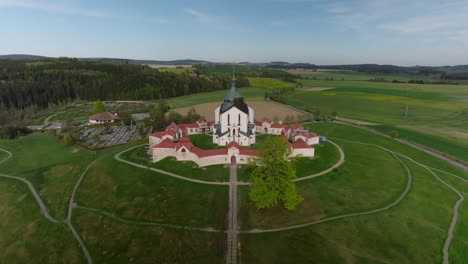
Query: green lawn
[(204, 142), (140, 194), (25, 236), (270, 83), (411, 232), (110, 241), (52, 167)]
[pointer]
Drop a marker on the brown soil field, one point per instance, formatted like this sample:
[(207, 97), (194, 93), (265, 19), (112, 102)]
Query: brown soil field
[(308, 71), (263, 109), (317, 88)]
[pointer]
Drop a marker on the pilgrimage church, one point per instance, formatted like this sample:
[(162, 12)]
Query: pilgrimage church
[(234, 127), (234, 120)]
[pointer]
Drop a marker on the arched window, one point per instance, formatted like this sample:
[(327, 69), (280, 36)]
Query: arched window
[(229, 119), (233, 132), (238, 123)]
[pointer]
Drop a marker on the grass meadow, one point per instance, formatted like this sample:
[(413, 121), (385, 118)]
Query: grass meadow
[(411, 232)]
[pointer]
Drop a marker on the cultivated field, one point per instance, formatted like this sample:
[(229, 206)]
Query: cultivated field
[(263, 109), (437, 114)]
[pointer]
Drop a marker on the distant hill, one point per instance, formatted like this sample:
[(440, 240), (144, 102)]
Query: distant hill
[(130, 61), (22, 57), (449, 72)]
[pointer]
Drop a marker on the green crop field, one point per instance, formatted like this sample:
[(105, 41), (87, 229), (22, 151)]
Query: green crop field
[(249, 93), (357, 76), (270, 83), (439, 112)]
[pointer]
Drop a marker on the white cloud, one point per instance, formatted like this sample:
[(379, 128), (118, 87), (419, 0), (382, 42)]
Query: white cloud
[(54, 8), (197, 14)]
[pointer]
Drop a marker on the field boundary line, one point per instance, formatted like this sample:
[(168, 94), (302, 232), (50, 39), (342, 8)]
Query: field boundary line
[(147, 223)]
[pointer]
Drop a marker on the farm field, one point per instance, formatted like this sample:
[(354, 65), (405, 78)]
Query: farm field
[(270, 83), (250, 93), (347, 75), (228, 69), (411, 232), (263, 109), (439, 112)]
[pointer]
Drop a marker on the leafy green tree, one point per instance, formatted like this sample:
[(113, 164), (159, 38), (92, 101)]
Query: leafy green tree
[(394, 134), (272, 176), (98, 107), (68, 139)]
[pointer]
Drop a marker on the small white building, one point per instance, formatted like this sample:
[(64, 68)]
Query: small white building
[(102, 118)]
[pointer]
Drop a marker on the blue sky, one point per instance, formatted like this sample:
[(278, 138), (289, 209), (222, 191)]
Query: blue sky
[(401, 32)]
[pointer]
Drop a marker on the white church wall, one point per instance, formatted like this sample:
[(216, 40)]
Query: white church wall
[(304, 152)]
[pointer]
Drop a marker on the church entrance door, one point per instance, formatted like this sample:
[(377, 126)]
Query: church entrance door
[(233, 160)]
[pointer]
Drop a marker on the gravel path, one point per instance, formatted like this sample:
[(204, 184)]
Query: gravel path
[(42, 206), (231, 257), (71, 206), (46, 121), (336, 165)]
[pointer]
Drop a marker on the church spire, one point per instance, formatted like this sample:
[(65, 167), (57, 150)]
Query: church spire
[(233, 83)]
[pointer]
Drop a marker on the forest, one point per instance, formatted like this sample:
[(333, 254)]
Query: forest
[(26, 84)]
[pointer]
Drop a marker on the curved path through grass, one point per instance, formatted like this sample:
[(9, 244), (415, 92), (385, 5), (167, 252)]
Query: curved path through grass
[(44, 209), (226, 183)]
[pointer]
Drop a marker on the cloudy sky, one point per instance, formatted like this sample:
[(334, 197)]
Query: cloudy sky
[(401, 32)]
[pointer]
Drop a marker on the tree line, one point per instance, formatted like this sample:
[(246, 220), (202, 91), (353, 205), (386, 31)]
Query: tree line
[(25, 84)]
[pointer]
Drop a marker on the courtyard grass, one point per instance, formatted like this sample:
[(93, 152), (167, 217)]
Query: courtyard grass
[(204, 141), (411, 232), (184, 168)]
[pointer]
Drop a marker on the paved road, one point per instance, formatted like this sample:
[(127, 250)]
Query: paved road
[(42, 206), (231, 257)]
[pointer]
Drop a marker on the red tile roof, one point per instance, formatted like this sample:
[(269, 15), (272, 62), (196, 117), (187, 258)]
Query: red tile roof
[(278, 126), (300, 144), (167, 143), (267, 120), (233, 144), (194, 125), (249, 152), (306, 134), (258, 123)]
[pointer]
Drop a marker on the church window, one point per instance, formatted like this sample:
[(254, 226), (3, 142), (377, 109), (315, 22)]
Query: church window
[(229, 119), (238, 123)]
